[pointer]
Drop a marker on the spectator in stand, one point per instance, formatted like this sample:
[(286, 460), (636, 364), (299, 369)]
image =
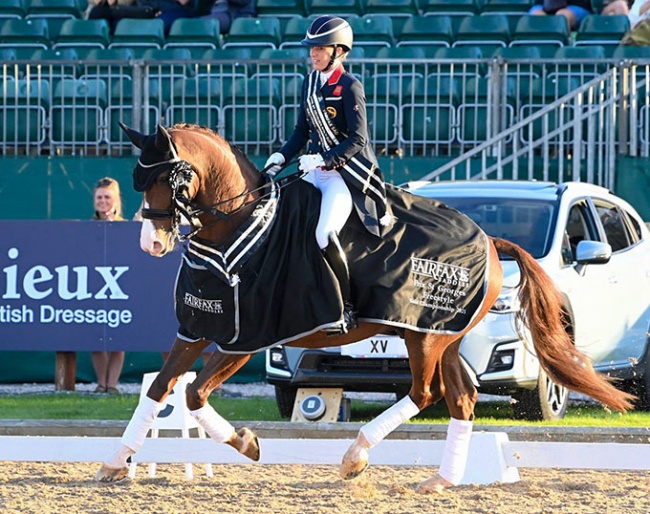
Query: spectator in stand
[(227, 10), (167, 10), (108, 207), (172, 10), (616, 7), (573, 10)]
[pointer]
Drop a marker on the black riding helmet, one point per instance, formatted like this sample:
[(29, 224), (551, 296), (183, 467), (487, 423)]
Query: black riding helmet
[(329, 31)]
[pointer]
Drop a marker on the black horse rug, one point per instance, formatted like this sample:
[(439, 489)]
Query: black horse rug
[(271, 285)]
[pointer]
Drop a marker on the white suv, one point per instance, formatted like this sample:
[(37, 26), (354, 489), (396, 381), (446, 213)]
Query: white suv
[(593, 244)]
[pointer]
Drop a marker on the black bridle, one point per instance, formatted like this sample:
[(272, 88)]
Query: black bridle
[(180, 178)]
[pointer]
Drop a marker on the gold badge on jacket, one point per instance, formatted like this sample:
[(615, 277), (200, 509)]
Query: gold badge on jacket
[(331, 111)]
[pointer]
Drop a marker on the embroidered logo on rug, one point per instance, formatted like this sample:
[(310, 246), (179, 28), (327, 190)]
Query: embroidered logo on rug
[(212, 306), (447, 273)]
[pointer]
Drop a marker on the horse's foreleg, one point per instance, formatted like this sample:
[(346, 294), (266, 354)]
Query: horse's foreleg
[(181, 358), (219, 368), (460, 396)]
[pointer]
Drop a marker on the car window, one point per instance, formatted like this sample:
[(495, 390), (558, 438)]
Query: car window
[(614, 224), (524, 222), (578, 228)]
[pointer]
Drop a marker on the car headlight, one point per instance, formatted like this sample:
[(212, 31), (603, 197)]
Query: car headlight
[(508, 300)]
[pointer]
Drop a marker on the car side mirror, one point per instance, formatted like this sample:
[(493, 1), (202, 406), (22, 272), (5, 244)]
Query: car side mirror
[(593, 252)]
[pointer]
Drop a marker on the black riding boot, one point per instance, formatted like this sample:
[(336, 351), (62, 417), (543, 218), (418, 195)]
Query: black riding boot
[(335, 257)]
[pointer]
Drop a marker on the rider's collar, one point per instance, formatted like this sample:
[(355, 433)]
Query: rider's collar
[(333, 76)]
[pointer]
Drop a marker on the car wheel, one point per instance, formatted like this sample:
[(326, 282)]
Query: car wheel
[(548, 401), (285, 397)]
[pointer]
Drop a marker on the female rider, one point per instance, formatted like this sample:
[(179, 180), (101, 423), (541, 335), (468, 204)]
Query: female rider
[(340, 161)]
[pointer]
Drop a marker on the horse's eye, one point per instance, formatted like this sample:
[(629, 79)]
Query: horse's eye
[(163, 179)]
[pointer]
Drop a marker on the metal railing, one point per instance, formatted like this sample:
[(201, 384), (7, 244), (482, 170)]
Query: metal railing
[(546, 117)]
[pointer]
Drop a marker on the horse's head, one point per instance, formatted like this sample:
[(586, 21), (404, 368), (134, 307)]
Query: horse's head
[(187, 170), (167, 181)]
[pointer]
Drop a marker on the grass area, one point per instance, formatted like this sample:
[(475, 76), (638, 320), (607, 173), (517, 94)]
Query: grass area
[(85, 406)]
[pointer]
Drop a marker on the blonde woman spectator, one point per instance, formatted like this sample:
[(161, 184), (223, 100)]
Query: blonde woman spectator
[(107, 200)]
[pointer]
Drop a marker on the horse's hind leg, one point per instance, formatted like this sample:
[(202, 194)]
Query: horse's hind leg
[(181, 358), (219, 368), (425, 352), (460, 396)]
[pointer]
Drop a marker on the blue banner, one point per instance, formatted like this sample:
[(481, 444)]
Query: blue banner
[(83, 286)]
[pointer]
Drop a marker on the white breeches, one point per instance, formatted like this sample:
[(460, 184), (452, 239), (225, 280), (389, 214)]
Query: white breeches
[(336, 203)]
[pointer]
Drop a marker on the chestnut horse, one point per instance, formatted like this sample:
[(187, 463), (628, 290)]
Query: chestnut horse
[(195, 171)]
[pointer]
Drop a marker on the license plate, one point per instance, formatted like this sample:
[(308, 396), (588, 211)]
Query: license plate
[(376, 347)]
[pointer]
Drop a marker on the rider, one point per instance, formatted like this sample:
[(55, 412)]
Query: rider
[(340, 161)]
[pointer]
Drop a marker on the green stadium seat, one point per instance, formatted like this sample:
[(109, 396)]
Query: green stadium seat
[(431, 117), (15, 33), (462, 61), (12, 9), (450, 8), (541, 30), (426, 30), (250, 114), (578, 61), (120, 108), (294, 32), (602, 30), (285, 62), (291, 94), (485, 31), (372, 31), (281, 8), (77, 112), (474, 111), (404, 61), (521, 61), (168, 63), (8, 54), (23, 111), (383, 93), (250, 32), (109, 64), (196, 101), (77, 33), (224, 62), (143, 33), (335, 7), (50, 63), (545, 91), (514, 7), (53, 9), (195, 33), (392, 8), (631, 52)]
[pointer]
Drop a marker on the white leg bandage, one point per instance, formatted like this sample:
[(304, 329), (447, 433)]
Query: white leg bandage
[(214, 425), (389, 420), (454, 457), (143, 417)]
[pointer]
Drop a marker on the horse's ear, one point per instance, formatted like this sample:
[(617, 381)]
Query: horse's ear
[(163, 139), (136, 137)]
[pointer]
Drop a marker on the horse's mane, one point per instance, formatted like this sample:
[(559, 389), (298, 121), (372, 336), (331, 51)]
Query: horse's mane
[(242, 158)]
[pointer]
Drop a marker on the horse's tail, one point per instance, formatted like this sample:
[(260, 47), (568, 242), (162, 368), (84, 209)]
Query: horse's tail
[(541, 312)]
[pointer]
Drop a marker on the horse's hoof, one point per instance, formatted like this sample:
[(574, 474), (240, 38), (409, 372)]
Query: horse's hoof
[(250, 444), (350, 470), (109, 474), (435, 485)]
